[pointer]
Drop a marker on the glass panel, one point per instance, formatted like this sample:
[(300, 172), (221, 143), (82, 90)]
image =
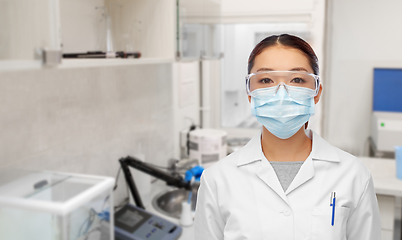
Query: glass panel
[(89, 221), (212, 44), (51, 187), (192, 41), (199, 29), (26, 25), (61, 190), (20, 224)]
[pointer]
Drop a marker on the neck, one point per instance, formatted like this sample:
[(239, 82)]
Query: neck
[(295, 148)]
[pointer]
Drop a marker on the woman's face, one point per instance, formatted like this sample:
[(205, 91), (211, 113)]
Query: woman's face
[(281, 58)]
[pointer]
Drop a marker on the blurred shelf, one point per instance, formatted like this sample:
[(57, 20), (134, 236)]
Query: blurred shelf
[(105, 62)]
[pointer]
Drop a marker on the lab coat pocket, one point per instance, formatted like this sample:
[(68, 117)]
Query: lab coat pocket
[(321, 223)]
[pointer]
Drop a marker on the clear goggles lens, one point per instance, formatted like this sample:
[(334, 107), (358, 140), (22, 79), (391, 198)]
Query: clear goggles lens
[(272, 79)]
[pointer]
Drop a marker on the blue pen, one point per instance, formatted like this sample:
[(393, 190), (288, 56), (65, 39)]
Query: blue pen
[(332, 203)]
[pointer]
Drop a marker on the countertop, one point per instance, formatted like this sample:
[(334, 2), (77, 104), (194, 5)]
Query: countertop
[(383, 171)]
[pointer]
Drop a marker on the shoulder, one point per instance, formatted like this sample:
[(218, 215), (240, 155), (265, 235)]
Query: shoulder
[(346, 163), (351, 160), (249, 153), (339, 161), (222, 167), (230, 167), (353, 165)]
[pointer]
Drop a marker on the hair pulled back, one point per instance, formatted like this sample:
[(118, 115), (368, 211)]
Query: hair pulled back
[(287, 41)]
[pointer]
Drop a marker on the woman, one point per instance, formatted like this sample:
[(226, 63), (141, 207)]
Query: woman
[(287, 182)]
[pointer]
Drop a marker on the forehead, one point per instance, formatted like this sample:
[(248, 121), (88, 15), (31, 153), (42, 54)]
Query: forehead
[(281, 58)]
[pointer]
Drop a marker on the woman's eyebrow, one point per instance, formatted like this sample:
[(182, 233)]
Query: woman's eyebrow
[(264, 69), (299, 69), (293, 69)]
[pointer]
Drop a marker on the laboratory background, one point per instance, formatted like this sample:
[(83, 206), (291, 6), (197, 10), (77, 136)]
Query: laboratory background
[(105, 105)]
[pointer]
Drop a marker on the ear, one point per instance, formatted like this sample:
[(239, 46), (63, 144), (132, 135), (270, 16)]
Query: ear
[(317, 98), (249, 98)]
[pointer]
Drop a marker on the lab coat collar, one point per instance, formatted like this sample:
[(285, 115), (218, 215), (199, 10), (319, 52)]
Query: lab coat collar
[(321, 150), (251, 152)]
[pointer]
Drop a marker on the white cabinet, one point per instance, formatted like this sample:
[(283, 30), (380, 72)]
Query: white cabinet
[(158, 29), (25, 26), (71, 26), (146, 26)]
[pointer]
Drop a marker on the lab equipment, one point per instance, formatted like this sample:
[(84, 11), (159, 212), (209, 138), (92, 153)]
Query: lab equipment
[(133, 223), (398, 160), (186, 218), (169, 202), (207, 146), (387, 112), (386, 132), (55, 206), (272, 79), (195, 173), (171, 180)]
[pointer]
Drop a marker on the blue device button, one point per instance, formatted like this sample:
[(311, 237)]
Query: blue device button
[(153, 230), (148, 235), (150, 221)]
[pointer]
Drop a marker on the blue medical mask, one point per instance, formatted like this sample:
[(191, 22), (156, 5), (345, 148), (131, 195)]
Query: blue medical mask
[(285, 111)]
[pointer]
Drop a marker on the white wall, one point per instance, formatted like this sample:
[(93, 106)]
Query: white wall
[(83, 120), (265, 7), (361, 35), (186, 99), (211, 93)]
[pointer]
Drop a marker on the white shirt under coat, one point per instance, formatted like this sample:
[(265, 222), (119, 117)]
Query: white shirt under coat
[(240, 197)]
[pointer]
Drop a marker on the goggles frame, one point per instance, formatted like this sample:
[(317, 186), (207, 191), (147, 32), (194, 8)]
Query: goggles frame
[(316, 78)]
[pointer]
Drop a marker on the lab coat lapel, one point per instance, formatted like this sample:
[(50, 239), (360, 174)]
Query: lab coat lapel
[(252, 154), (267, 174), (306, 172), (321, 151)]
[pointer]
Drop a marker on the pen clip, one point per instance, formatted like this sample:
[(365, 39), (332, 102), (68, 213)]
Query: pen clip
[(333, 195)]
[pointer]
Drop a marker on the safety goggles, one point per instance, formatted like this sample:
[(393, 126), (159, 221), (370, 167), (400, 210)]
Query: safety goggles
[(268, 82)]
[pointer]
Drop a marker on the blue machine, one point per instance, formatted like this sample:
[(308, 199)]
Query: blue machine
[(133, 223), (387, 89), (387, 112)]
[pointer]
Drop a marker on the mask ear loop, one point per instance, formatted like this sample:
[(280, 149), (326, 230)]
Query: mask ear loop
[(318, 83), (247, 87), (317, 89)]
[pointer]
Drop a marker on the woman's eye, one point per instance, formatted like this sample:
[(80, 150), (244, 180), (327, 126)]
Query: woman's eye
[(266, 80), (298, 80)]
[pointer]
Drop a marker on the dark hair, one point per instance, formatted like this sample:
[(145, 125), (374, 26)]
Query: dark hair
[(287, 41)]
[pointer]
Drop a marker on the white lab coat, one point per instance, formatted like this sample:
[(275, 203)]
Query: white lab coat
[(240, 197)]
